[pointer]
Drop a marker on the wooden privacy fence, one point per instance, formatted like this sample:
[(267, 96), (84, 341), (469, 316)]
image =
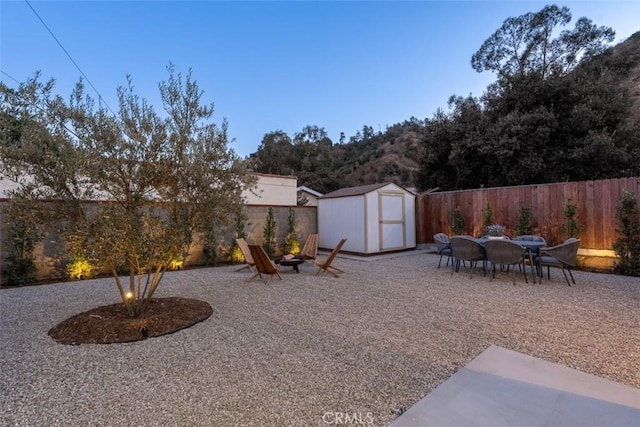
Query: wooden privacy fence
[(596, 203)]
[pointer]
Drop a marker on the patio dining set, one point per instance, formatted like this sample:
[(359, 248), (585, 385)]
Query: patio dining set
[(522, 251)]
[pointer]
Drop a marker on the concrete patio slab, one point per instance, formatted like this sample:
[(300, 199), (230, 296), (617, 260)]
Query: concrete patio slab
[(501, 387)]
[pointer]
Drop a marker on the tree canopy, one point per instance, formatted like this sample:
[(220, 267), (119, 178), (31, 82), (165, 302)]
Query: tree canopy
[(307, 155), (530, 43), (158, 179), (559, 111)]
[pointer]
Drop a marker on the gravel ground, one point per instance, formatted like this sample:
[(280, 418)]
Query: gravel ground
[(305, 348)]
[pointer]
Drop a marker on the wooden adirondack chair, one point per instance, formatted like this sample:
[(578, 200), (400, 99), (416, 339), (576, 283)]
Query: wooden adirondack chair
[(310, 248), (326, 264), (263, 264), (248, 259)]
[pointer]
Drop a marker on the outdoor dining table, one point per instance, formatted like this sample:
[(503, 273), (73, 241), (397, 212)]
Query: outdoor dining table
[(532, 248)]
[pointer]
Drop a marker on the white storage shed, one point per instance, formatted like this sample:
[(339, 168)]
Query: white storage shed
[(374, 218)]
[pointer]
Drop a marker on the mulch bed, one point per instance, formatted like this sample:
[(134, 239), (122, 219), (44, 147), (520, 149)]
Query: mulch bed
[(112, 324)]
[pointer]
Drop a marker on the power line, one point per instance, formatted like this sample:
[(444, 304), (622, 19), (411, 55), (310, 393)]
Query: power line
[(100, 98), (3, 72), (36, 106)]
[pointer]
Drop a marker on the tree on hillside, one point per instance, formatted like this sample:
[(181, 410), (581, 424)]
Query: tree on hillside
[(274, 154), (314, 159), (158, 179), (308, 156), (528, 44), (538, 122)]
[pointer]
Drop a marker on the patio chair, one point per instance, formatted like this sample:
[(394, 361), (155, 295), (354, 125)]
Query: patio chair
[(246, 253), (443, 245), (465, 248), (326, 264), (263, 264), (310, 248), (505, 252), (563, 256)]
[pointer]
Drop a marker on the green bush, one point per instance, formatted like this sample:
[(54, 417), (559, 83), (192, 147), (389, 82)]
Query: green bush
[(235, 254), (269, 234), (524, 227), (570, 226), (458, 225), (291, 244), (20, 271), (79, 268), (487, 218), (23, 233), (627, 246)]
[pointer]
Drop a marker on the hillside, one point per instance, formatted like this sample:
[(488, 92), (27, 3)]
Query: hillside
[(394, 154), (627, 55), (389, 156)]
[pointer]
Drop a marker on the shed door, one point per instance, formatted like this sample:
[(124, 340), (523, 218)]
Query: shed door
[(392, 220)]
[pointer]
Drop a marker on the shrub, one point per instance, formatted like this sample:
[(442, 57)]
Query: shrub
[(627, 246), (291, 244), (79, 268), (235, 254), (209, 246), (269, 234), (458, 225), (488, 218), (570, 226), (524, 226), (22, 234), (20, 271)]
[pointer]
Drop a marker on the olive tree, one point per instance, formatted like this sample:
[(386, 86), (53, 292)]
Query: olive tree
[(157, 179)]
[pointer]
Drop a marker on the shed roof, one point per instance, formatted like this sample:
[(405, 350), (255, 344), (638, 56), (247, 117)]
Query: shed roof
[(354, 191)]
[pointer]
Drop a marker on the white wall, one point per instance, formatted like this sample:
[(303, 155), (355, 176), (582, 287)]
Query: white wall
[(312, 199), (371, 218), (273, 190), (342, 217), (410, 212)]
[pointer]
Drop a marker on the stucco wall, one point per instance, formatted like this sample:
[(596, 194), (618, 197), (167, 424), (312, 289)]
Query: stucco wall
[(50, 260), (273, 190)]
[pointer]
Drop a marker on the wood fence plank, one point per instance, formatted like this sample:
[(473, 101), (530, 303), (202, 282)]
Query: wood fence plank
[(609, 212), (600, 207), (590, 231)]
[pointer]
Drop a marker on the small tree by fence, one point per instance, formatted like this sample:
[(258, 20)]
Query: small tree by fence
[(627, 246), (269, 234)]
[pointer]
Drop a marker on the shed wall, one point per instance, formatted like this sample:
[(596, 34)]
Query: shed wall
[(372, 220), (410, 212), (342, 217)]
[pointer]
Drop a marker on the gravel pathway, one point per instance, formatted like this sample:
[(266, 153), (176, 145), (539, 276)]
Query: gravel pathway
[(307, 348)]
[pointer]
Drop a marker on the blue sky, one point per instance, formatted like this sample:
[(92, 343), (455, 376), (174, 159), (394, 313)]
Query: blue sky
[(277, 65)]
